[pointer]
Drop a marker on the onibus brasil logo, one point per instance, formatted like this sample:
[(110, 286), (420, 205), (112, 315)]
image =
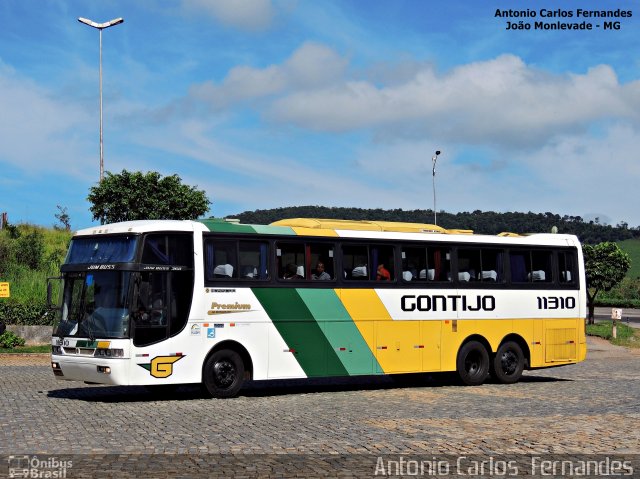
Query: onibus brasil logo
[(162, 366)]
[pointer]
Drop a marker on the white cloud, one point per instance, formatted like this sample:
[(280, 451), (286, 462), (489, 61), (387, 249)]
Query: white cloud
[(501, 100), (250, 15), (310, 66), (242, 83)]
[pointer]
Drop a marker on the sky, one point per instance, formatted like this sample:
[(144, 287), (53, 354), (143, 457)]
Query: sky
[(273, 103)]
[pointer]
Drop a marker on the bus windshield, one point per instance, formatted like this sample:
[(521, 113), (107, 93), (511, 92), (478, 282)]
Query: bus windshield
[(108, 249), (95, 304)]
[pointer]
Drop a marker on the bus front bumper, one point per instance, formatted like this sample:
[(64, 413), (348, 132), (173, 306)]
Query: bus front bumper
[(91, 370)]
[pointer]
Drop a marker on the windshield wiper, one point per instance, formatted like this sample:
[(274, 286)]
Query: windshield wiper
[(88, 328)]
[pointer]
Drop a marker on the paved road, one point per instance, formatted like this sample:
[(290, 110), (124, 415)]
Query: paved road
[(630, 316), (304, 429)]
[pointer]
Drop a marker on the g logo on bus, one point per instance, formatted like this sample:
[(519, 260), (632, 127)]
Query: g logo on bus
[(161, 366)]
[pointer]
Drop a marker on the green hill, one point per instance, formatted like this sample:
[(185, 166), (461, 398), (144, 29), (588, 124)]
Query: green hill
[(483, 222), (632, 248)]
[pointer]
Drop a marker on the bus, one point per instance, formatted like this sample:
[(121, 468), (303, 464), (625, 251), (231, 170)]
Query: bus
[(217, 302)]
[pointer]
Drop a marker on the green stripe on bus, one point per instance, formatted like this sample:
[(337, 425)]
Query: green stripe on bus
[(300, 331), (339, 329), (219, 226), (274, 230)]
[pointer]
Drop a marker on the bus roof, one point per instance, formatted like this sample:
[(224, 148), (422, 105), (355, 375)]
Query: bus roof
[(330, 228), (140, 226), (379, 230), (366, 225)]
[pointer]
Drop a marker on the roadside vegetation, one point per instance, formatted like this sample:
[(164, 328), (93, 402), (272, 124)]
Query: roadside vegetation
[(28, 256), (44, 349), (626, 294), (626, 335)]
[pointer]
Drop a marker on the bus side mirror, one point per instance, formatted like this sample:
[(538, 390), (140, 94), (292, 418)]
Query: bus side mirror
[(50, 303)]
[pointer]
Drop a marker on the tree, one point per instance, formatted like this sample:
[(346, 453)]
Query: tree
[(136, 196), (606, 265), (63, 217)]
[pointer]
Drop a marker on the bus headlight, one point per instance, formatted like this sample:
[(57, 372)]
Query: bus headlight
[(57, 371), (56, 350)]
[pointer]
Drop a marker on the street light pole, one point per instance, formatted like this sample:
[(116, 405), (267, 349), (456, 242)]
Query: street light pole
[(100, 27), (433, 180)]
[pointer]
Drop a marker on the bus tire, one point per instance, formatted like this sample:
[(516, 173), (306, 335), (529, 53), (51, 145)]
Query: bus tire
[(472, 364), (508, 363), (223, 374)]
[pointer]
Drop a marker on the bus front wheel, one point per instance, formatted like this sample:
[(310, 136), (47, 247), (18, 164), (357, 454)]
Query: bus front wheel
[(473, 363), (223, 374), (508, 363)]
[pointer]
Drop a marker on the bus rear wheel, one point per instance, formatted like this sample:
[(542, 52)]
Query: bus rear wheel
[(223, 374), (508, 363), (473, 363)]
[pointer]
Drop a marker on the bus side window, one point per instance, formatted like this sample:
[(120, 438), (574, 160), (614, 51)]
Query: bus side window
[(480, 264), (175, 249), (291, 261), (520, 264), (491, 262), (355, 260), (252, 259), (468, 264), (381, 259), (321, 254), (566, 265), (541, 267), (531, 266), (438, 264), (414, 260), (220, 260)]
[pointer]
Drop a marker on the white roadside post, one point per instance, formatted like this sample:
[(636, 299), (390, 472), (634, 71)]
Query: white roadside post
[(616, 315)]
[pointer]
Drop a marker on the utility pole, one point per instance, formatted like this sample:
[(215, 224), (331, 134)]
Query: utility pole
[(100, 27), (433, 180)]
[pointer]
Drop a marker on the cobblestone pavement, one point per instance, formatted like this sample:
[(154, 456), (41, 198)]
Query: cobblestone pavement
[(282, 429)]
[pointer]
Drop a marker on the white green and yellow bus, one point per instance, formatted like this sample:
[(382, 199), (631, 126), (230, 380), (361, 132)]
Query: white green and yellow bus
[(217, 302)]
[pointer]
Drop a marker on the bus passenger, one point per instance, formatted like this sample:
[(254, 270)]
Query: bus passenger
[(291, 272), (383, 274), (320, 273)]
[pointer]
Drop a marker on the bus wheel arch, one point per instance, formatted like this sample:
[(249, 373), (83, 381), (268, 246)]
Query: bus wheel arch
[(510, 359), (225, 369), (473, 361)]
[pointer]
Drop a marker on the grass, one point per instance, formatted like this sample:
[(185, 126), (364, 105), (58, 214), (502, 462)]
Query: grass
[(627, 336), (46, 348)]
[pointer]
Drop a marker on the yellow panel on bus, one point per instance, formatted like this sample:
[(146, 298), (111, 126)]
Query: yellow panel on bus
[(398, 346)]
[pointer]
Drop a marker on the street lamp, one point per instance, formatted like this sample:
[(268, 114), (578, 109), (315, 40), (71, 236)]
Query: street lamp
[(100, 27), (433, 161)]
